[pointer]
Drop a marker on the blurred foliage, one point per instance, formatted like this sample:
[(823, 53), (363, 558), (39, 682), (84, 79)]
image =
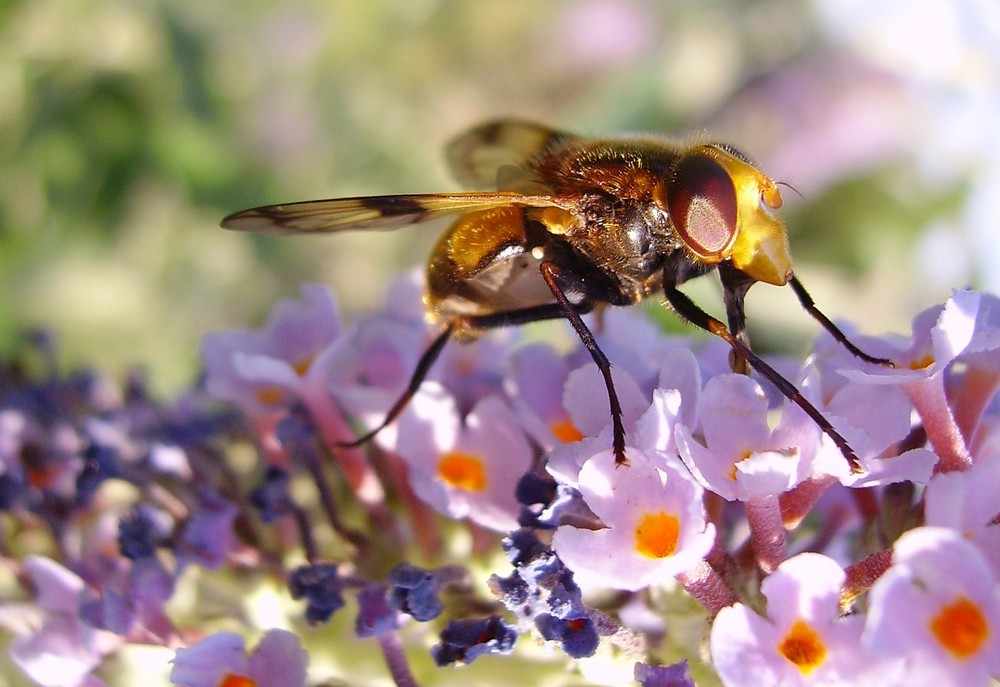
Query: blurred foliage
[(128, 128)]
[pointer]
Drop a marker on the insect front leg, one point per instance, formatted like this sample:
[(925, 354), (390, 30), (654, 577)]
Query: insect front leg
[(687, 309), (810, 307), (735, 285)]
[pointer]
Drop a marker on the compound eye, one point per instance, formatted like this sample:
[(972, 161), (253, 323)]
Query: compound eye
[(701, 200)]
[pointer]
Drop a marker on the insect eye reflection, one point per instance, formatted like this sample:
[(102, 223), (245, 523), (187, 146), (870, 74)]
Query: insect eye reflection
[(703, 207)]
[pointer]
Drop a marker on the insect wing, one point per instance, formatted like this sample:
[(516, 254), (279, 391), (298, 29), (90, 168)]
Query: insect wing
[(373, 212), (483, 157)]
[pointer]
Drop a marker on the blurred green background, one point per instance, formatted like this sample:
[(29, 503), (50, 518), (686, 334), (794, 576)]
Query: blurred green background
[(129, 128)]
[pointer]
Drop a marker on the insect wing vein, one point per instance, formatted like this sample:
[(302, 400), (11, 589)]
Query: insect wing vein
[(374, 212)]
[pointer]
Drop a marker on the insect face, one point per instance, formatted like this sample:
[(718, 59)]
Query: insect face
[(720, 206)]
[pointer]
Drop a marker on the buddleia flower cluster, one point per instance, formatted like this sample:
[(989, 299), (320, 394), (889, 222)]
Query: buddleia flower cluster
[(491, 524)]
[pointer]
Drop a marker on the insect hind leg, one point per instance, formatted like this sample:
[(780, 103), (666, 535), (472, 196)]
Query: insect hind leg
[(424, 365), (430, 356)]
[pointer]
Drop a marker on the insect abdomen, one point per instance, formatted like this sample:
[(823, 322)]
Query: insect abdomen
[(477, 265)]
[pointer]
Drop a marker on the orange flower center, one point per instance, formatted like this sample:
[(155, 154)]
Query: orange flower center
[(803, 648), (301, 366), (269, 395), (233, 680), (960, 628), (462, 471), (565, 431), (656, 535), (40, 477), (731, 474)]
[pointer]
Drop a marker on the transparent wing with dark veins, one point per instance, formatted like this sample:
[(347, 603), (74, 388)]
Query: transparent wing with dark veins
[(375, 212), (476, 157)]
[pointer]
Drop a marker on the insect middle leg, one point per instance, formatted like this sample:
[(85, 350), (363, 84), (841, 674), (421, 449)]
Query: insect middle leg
[(557, 279)]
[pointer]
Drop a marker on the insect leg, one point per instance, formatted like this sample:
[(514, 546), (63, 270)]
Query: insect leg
[(513, 318), (810, 307), (555, 277), (419, 374), (687, 309), (464, 323), (735, 285)]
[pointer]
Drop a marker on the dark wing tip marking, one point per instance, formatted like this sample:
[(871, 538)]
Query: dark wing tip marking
[(394, 206)]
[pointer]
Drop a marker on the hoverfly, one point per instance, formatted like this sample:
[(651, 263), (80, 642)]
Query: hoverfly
[(577, 224)]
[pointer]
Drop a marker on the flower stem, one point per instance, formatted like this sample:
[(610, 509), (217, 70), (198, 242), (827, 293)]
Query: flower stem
[(929, 398), (977, 387), (767, 531), (310, 457), (395, 659), (796, 503), (863, 574), (705, 584)]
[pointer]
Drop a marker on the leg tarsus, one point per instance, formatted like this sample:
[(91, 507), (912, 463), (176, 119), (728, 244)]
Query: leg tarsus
[(810, 307)]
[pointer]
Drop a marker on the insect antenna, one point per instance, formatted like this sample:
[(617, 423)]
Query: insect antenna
[(790, 187)]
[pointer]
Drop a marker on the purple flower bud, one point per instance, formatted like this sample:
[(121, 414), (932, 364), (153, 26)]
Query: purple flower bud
[(136, 536), (272, 498), (676, 675), (578, 636), (321, 586), (375, 615), (100, 463), (523, 546), (414, 591), (467, 640)]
